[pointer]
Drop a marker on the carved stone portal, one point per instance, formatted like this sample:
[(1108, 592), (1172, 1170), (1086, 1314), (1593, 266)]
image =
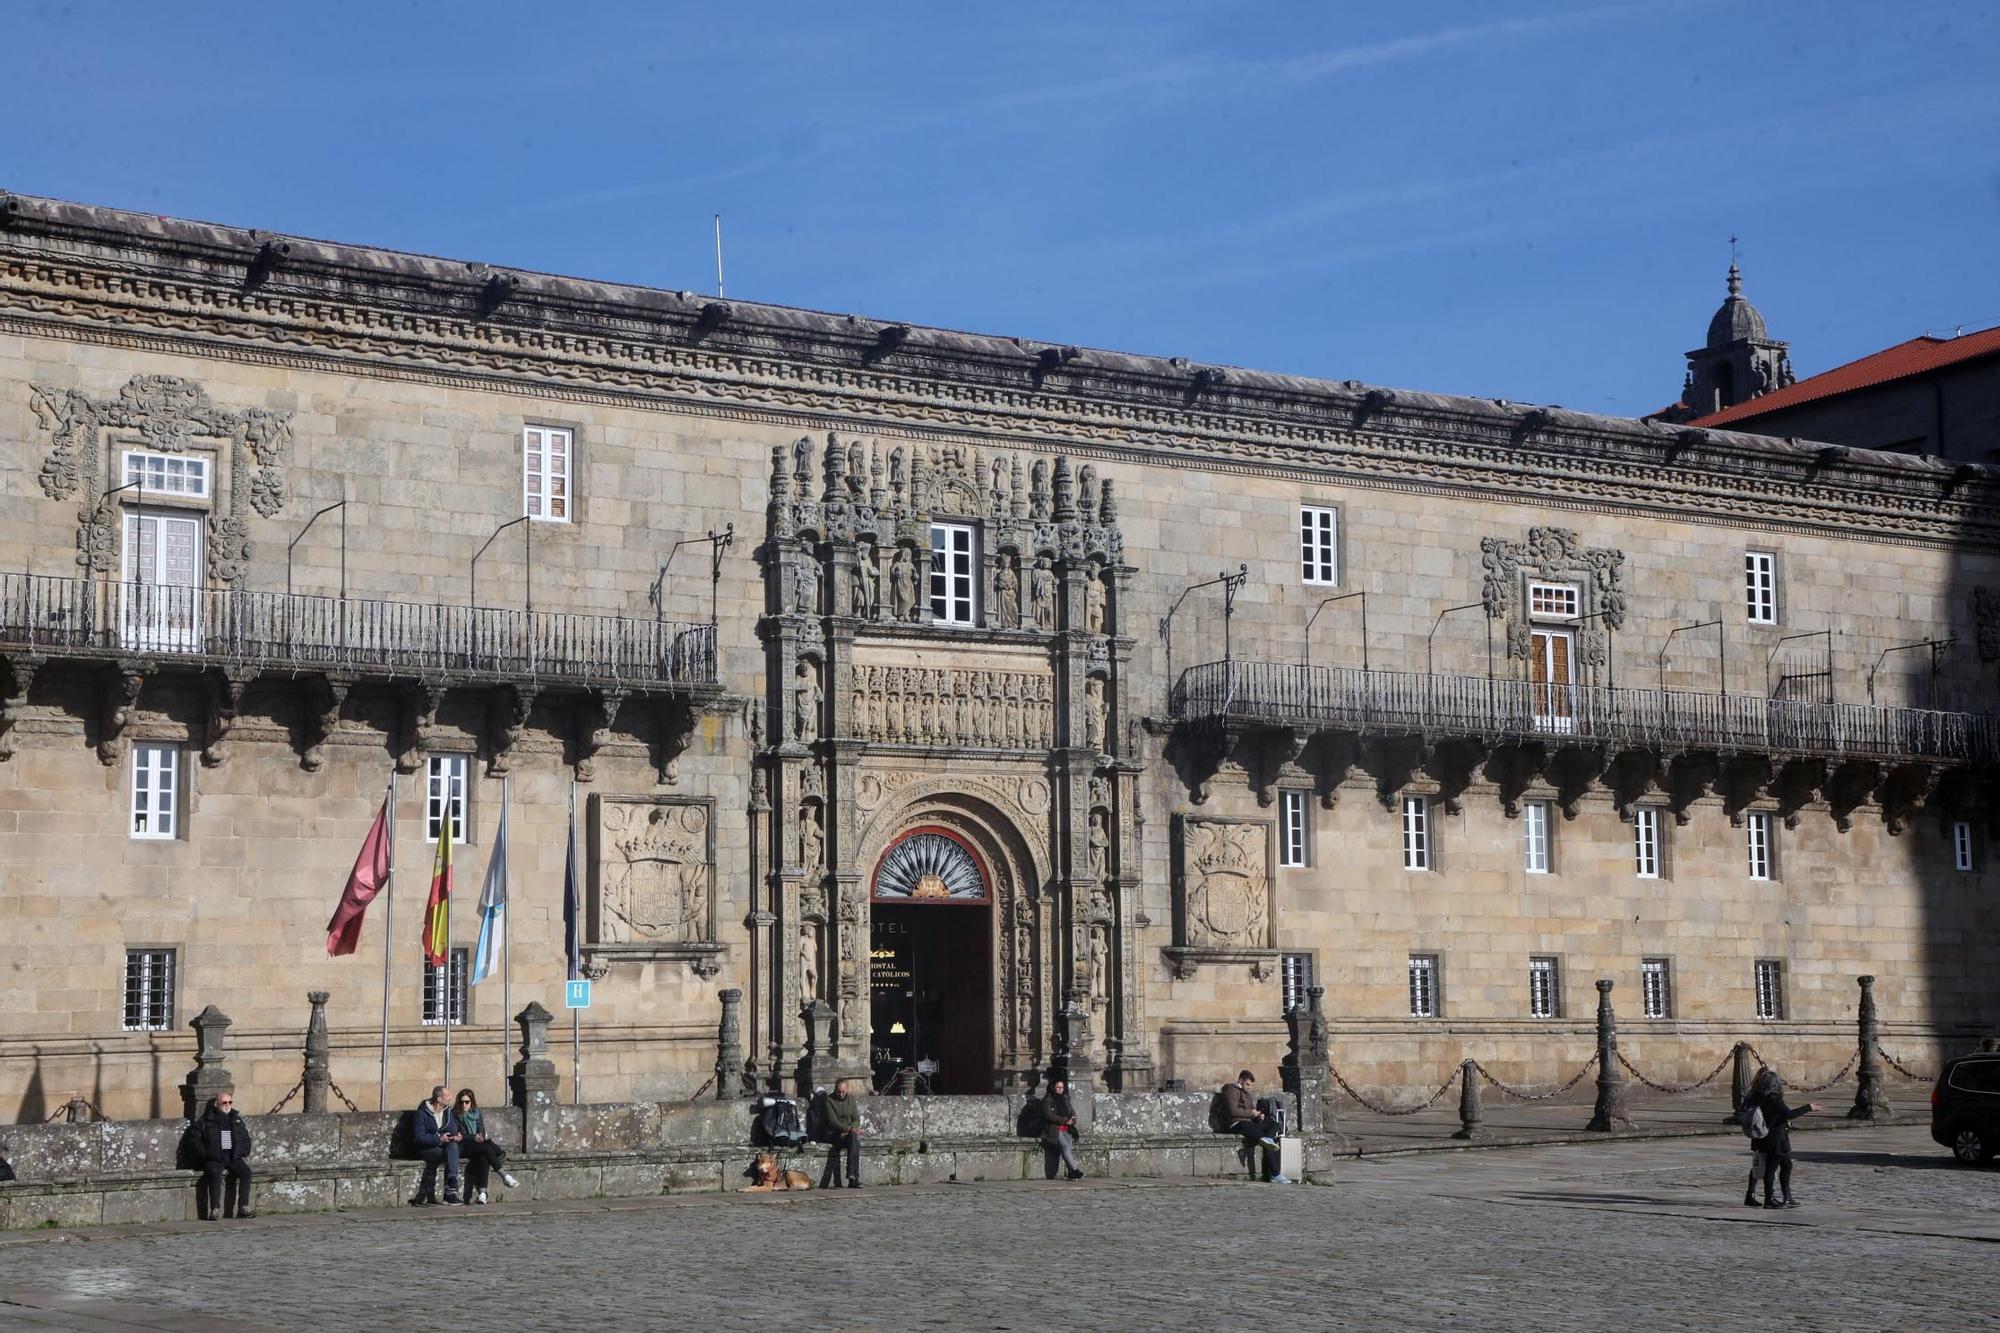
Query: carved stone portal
[(653, 880)]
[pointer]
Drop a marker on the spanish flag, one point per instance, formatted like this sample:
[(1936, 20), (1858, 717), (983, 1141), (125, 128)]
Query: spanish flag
[(437, 912)]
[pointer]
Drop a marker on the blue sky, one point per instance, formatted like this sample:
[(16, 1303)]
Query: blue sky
[(1525, 201)]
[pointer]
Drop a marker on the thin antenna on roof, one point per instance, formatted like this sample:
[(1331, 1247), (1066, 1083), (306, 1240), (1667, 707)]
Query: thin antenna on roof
[(718, 254)]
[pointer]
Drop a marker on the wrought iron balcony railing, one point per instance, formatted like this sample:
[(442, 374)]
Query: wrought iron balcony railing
[(294, 631), (1408, 702)]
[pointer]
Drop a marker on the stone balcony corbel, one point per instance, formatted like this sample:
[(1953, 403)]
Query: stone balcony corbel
[(225, 704), (325, 696), (511, 708), (17, 677), (118, 700), (598, 715)]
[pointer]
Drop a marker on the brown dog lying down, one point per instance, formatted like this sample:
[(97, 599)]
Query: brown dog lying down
[(766, 1177)]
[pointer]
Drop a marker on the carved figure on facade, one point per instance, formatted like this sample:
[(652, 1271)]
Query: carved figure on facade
[(935, 706), (1225, 887), (812, 839), (1553, 554), (867, 583), (1093, 599), (1042, 592), (655, 873), (1007, 591), (1093, 713), (903, 585), (805, 586), (806, 696)]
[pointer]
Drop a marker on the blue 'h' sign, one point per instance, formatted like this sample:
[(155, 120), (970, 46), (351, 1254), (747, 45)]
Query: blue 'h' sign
[(576, 994)]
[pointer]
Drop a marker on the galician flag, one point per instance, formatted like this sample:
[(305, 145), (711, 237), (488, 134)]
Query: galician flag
[(437, 912), (371, 871), (492, 907)]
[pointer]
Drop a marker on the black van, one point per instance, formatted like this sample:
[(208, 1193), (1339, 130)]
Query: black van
[(1965, 1107)]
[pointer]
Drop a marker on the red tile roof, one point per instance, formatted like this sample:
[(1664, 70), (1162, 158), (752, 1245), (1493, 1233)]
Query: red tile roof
[(1916, 357)]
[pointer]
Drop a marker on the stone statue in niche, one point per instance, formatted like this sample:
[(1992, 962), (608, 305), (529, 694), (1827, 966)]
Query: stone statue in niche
[(805, 588), (812, 838), (806, 695), (1042, 589), (1093, 713), (903, 586), (654, 883), (1100, 965), (1100, 846), (809, 985), (1093, 600), (867, 583), (1007, 594)]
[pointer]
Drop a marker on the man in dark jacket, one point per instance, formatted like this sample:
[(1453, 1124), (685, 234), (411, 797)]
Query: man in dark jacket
[(1257, 1130), (225, 1159), (843, 1128), (438, 1133)]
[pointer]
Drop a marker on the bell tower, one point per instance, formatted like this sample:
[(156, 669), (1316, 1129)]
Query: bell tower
[(1740, 360)]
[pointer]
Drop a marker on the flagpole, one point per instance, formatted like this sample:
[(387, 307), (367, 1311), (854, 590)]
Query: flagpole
[(388, 946), (506, 951), (449, 832), (575, 955)]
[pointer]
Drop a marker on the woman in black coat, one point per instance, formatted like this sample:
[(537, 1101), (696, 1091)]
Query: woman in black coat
[(1059, 1131), (1767, 1096)]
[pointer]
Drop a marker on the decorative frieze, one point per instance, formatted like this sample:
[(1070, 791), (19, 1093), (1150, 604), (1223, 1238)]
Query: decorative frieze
[(1010, 710)]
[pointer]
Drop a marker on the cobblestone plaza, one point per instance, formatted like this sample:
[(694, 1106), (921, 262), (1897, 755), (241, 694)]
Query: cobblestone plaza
[(1640, 1234)]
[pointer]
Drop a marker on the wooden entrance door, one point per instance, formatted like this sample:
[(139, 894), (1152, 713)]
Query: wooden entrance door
[(1551, 674)]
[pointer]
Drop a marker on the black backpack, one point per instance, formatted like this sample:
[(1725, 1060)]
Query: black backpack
[(819, 1127), (403, 1138), (777, 1125), (1028, 1124), (1219, 1119)]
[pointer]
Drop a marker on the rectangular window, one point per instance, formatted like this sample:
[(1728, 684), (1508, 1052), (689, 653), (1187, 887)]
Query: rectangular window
[(1543, 991), (1423, 985), (954, 575), (1656, 988), (149, 990), (1535, 836), (1770, 988), (1961, 845), (156, 791), (1292, 828), (1552, 601), (1295, 978), (1760, 587), (1318, 562), (1757, 842), (545, 460), (168, 474), (1416, 833), (1646, 842), (447, 784), (437, 989)]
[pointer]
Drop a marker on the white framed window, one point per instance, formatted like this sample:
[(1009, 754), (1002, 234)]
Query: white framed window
[(1553, 601), (156, 790), (954, 574), (1656, 988), (1961, 846), (1760, 587), (1295, 978), (149, 990), (1544, 988), (1770, 981), (1535, 837), (1646, 842), (1319, 558), (446, 783), (1416, 833), (1423, 985), (545, 473), (1757, 844), (1292, 849), (184, 475), (444, 985)]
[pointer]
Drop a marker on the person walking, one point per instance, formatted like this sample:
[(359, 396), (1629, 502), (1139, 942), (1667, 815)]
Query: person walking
[(225, 1159), (438, 1136), (1775, 1148), (843, 1134), (1059, 1131), (481, 1155)]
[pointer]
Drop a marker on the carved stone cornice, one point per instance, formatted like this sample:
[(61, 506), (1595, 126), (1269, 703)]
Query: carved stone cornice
[(102, 275)]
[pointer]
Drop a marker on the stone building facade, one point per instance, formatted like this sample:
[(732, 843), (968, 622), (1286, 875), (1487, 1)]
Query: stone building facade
[(952, 698)]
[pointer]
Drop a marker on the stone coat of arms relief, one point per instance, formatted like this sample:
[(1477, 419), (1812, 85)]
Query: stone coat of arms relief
[(653, 871), (1222, 884)]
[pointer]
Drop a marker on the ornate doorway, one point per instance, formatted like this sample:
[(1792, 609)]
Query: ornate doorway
[(931, 963)]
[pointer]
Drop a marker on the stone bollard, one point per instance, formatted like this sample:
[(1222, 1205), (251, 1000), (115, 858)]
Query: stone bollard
[(77, 1110), (1307, 1063), (319, 1055), (1469, 1111), (816, 1066), (906, 1082), (729, 1048), (1609, 1114), (1871, 1103), (1739, 1079), (210, 1075), (535, 1082), (1072, 1059)]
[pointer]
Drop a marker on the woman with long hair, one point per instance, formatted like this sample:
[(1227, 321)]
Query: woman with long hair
[(482, 1155), (1773, 1152)]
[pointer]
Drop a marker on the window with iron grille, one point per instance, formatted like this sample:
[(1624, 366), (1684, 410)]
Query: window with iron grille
[(1757, 842), (1646, 842), (446, 785), (156, 791), (1961, 846), (149, 990), (545, 470), (1291, 828), (1760, 587), (437, 987), (1318, 562), (1416, 833), (1295, 978), (1544, 990), (1770, 979), (1656, 988), (1535, 836), (1423, 985), (954, 569)]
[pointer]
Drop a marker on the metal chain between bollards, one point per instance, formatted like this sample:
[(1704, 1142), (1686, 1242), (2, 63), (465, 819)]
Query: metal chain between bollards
[(1378, 1109), (1676, 1089), (1518, 1095), (345, 1100), (286, 1100), (695, 1096), (1903, 1069)]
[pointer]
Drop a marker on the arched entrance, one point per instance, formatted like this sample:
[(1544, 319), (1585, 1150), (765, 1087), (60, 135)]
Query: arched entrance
[(931, 961)]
